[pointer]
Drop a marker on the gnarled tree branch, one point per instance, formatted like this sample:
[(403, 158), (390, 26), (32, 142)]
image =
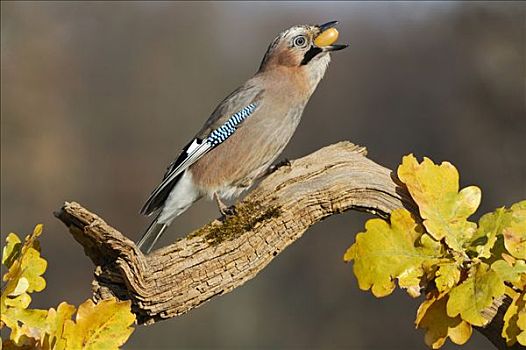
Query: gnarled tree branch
[(225, 254)]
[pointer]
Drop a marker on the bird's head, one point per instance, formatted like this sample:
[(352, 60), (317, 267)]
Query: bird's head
[(303, 46)]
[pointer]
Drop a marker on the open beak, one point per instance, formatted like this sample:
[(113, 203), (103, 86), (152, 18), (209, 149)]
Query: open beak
[(324, 27), (327, 36)]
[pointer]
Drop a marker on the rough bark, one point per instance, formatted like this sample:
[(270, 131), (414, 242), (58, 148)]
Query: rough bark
[(226, 253)]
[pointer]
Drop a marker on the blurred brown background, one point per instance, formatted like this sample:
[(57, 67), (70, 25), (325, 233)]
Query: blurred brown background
[(97, 98)]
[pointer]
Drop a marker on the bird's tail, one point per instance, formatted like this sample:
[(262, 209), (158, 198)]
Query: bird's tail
[(150, 237)]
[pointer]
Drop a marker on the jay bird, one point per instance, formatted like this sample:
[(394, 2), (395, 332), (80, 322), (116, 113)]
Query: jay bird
[(247, 131)]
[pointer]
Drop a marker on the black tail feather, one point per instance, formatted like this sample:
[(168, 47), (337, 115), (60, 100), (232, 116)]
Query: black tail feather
[(150, 237)]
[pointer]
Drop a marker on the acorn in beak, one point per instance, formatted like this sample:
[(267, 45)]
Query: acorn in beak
[(327, 37)]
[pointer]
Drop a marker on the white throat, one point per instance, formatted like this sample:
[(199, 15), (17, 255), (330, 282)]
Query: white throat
[(317, 68)]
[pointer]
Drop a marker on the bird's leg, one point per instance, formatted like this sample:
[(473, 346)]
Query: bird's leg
[(223, 208)]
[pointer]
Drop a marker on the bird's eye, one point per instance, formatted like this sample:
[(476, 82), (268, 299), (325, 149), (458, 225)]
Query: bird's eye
[(300, 41)]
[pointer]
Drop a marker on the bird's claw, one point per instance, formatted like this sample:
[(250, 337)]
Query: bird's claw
[(228, 211), (223, 208), (274, 167)]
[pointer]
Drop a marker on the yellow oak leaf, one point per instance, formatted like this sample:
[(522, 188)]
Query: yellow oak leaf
[(21, 286), (511, 272), (33, 267), (25, 343), (435, 189), (515, 233), (432, 317), (489, 229), (102, 326), (447, 276), (106, 325), (514, 328), (26, 266), (23, 323), (11, 249), (24, 275), (521, 323), (9, 319), (475, 294), (388, 251), (54, 329), (33, 320), (21, 301)]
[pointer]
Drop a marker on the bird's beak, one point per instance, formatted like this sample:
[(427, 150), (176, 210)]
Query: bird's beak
[(324, 27), (327, 36)]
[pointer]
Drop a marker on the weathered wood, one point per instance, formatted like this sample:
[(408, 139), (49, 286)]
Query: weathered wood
[(493, 330), (226, 253)]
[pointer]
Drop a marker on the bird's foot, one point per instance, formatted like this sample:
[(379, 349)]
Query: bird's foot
[(274, 167), (228, 211), (223, 208)]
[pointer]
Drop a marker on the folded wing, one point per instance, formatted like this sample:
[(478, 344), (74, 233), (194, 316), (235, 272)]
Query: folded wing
[(217, 130)]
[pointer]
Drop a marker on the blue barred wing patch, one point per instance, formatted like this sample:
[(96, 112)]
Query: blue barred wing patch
[(226, 130)]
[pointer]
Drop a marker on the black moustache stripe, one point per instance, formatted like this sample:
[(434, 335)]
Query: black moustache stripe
[(309, 55)]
